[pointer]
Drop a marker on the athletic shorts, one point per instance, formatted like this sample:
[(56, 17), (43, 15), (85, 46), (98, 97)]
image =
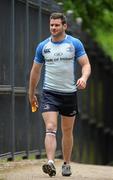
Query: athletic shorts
[(64, 103)]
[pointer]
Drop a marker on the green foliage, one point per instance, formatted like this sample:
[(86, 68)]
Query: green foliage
[(91, 11), (103, 32), (105, 39)]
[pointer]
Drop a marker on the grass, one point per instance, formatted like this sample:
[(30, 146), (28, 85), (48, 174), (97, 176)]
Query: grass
[(17, 158)]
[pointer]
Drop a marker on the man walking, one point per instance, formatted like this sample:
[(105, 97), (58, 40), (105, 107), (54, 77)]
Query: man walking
[(60, 52)]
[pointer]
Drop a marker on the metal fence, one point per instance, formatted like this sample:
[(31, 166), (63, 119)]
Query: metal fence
[(95, 128), (23, 24)]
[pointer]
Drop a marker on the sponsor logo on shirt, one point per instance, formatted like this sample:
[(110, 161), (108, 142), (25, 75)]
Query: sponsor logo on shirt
[(69, 49), (58, 54), (47, 51)]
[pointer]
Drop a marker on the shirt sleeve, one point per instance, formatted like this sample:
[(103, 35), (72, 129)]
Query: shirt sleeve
[(79, 49), (39, 58)]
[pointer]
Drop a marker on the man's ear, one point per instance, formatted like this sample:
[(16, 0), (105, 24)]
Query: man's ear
[(65, 26)]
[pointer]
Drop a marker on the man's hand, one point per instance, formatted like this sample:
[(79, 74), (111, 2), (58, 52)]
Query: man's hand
[(34, 102), (81, 83), (33, 82)]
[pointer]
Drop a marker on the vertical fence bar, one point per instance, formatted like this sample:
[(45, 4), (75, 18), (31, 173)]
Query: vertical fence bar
[(26, 76), (12, 76), (40, 20), (40, 38)]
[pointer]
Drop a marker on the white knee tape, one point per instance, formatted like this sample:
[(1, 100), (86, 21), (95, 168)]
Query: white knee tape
[(50, 132)]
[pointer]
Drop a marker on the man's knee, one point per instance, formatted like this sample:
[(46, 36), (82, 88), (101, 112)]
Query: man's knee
[(67, 131)]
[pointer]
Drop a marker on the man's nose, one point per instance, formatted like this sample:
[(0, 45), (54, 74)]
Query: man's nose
[(54, 26)]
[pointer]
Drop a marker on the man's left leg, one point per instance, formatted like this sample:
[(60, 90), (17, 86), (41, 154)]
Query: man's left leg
[(67, 124)]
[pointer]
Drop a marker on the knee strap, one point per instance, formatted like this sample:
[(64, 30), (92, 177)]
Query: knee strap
[(51, 132)]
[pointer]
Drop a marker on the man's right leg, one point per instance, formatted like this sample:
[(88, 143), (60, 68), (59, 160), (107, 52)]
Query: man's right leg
[(50, 119)]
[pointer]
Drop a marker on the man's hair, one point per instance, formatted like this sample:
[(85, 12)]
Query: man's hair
[(61, 16)]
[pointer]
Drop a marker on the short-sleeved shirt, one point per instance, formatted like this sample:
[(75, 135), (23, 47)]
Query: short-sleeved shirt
[(60, 63)]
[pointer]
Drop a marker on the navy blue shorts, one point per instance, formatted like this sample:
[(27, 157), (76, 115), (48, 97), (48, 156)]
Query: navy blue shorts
[(64, 103)]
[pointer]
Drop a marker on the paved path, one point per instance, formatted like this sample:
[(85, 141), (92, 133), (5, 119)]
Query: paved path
[(31, 170)]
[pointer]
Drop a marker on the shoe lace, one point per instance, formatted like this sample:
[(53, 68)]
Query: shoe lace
[(66, 167), (52, 165)]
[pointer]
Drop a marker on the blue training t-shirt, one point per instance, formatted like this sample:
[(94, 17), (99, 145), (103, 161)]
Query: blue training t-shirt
[(59, 59)]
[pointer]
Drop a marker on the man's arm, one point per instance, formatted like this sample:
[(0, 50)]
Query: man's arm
[(33, 82), (86, 71)]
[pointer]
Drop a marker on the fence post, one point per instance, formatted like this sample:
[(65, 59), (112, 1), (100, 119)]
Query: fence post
[(40, 20), (12, 75), (26, 78)]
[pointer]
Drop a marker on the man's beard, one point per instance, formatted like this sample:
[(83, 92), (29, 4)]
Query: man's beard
[(57, 35)]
